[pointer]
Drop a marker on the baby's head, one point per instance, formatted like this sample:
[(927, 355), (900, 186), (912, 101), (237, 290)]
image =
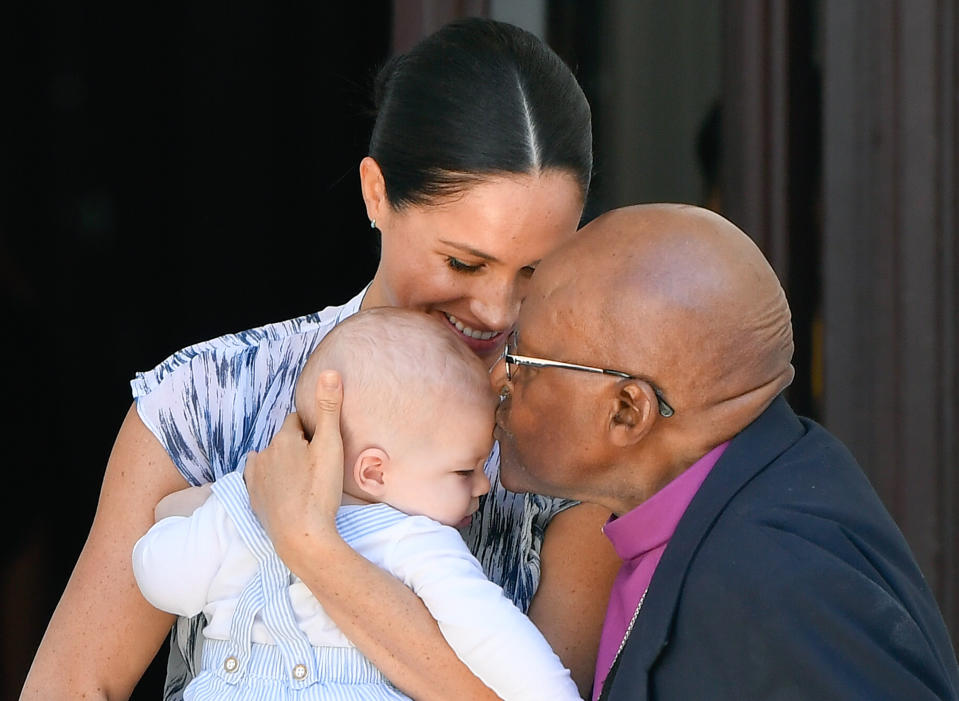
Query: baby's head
[(417, 417)]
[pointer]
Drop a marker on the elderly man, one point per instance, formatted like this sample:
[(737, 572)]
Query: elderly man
[(644, 375)]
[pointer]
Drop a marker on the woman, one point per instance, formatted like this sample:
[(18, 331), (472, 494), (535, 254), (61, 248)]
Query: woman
[(479, 164)]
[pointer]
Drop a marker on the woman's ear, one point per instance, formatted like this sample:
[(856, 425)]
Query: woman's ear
[(633, 411), (369, 471), (373, 187)]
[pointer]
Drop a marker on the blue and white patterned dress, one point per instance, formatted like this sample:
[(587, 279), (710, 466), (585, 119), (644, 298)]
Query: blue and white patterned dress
[(212, 403)]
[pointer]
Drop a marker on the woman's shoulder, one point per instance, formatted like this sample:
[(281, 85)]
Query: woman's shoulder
[(273, 338)]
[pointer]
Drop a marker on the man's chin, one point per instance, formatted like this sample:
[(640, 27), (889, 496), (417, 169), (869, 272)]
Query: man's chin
[(506, 478), (510, 470), (514, 476)]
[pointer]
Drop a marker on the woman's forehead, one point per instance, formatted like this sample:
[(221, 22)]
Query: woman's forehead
[(492, 218)]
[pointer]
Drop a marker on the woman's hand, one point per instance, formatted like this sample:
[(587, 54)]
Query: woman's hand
[(295, 489), (296, 485)]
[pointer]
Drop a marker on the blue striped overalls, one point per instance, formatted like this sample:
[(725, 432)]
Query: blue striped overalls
[(292, 669)]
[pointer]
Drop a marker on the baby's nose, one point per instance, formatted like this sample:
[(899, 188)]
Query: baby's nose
[(481, 484)]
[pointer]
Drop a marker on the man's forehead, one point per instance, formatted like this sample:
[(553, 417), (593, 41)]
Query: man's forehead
[(551, 316)]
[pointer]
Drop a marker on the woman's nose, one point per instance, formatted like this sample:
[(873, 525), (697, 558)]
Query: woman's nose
[(496, 304)]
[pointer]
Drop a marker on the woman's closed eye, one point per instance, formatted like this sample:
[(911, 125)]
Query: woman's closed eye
[(461, 267)]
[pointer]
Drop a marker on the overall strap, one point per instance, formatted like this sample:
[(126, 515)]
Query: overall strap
[(235, 666), (267, 592)]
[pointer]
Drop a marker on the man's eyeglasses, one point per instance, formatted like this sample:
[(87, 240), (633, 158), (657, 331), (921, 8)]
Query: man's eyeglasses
[(512, 359)]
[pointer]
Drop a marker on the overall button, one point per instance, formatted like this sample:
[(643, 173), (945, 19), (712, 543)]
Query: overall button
[(230, 664), (299, 672)]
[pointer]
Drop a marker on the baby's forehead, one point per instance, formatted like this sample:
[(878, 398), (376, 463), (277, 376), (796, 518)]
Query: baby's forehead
[(402, 358), (474, 403), (465, 391)]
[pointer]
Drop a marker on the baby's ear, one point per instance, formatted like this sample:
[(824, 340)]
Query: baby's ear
[(369, 471)]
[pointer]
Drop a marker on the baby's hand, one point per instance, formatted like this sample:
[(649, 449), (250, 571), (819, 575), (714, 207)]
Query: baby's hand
[(182, 503)]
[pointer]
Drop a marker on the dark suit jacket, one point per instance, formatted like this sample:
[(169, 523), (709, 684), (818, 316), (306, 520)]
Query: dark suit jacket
[(786, 578)]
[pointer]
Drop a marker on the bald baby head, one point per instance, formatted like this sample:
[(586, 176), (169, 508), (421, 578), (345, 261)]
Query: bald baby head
[(683, 297), (400, 370)]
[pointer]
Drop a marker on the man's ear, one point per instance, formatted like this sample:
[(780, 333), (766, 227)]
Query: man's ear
[(373, 187), (369, 471), (633, 411)]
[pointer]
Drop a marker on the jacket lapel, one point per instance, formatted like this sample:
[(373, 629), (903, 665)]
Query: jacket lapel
[(750, 452)]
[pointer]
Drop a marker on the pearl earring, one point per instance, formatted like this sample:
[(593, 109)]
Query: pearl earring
[(372, 223)]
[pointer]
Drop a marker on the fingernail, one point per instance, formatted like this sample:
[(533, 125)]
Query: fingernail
[(329, 379)]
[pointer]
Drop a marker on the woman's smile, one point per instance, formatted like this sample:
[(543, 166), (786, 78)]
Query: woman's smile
[(483, 343), (470, 258), (469, 331)]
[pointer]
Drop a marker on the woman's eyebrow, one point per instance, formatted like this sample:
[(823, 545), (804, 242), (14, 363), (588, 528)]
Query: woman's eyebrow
[(479, 254), (472, 251)]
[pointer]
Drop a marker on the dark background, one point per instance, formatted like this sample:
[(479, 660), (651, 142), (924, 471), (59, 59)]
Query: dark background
[(168, 176)]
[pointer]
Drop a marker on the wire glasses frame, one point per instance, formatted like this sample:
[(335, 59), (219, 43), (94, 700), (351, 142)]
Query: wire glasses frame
[(512, 359)]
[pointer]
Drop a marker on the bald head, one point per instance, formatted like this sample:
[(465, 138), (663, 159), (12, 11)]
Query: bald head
[(400, 369), (681, 296)]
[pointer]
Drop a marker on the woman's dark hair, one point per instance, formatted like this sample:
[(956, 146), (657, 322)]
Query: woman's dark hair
[(477, 98)]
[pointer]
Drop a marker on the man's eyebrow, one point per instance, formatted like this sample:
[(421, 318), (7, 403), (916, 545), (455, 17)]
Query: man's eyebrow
[(472, 251)]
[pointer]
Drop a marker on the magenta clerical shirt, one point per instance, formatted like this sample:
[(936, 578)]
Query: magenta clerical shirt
[(639, 538)]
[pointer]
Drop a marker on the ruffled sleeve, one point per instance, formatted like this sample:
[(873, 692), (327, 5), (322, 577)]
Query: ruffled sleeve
[(212, 403)]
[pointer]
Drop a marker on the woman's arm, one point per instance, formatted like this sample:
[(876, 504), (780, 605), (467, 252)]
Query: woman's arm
[(578, 567), (103, 633), (295, 489)]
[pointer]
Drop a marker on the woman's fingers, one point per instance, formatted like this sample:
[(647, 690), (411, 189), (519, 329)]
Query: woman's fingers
[(296, 486), (326, 447), (291, 432), (276, 475)]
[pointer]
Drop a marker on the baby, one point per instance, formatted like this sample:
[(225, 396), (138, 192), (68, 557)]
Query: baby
[(417, 423)]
